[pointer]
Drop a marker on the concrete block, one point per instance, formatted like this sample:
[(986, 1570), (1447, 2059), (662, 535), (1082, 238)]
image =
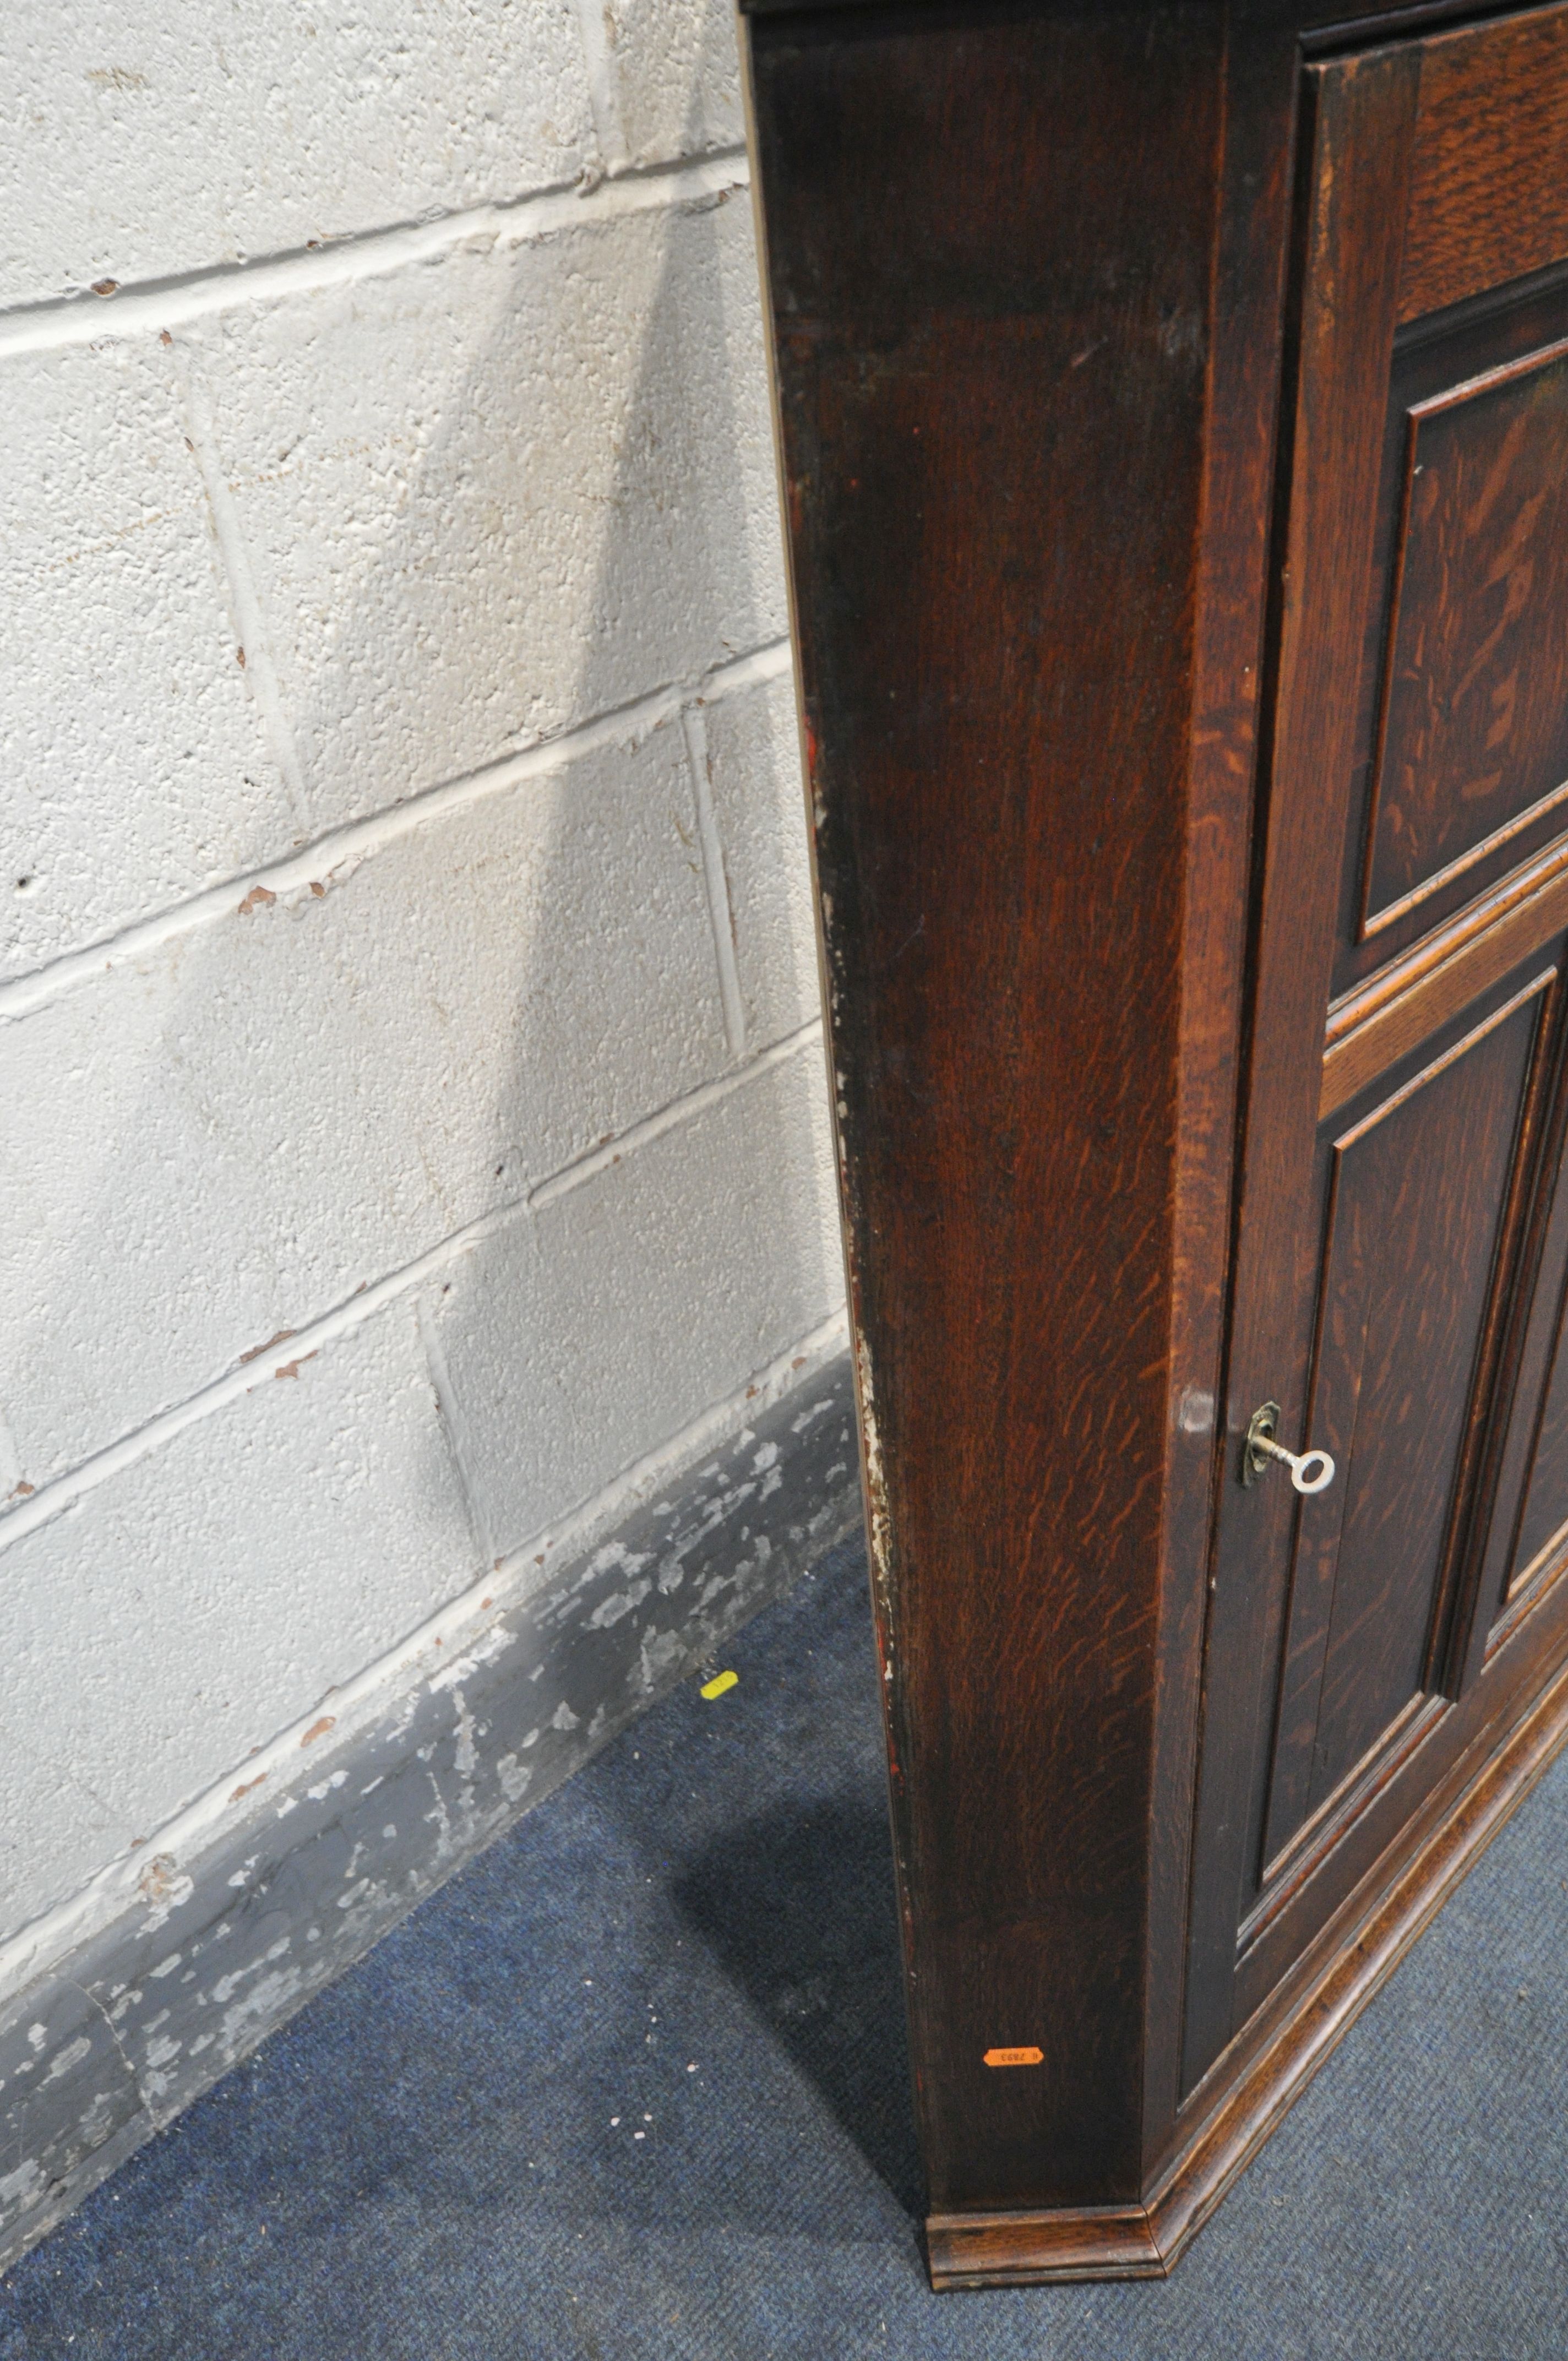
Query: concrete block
[(499, 493), (578, 1340), (759, 808), (235, 1135), (677, 77), (136, 768), (119, 2011), (211, 1594), (155, 137)]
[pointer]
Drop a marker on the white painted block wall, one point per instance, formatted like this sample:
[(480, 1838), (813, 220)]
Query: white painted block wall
[(413, 1121)]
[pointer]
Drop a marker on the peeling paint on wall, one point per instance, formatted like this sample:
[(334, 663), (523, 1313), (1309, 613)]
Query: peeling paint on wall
[(115, 2041)]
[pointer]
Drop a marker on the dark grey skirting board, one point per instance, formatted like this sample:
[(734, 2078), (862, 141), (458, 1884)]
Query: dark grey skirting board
[(108, 2045)]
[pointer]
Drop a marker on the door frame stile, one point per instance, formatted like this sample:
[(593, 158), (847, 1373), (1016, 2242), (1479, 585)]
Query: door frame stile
[(1336, 404)]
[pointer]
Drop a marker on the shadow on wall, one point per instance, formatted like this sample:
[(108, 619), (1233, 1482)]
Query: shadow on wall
[(481, 500), (637, 1291), (590, 1333)]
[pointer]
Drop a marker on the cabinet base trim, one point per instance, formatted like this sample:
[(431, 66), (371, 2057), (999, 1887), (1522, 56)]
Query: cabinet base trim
[(1023, 2248), (974, 2250)]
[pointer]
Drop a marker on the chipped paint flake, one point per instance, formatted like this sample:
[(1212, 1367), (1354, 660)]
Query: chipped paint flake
[(495, 1644), (620, 1602), (71, 2055), (336, 1869)]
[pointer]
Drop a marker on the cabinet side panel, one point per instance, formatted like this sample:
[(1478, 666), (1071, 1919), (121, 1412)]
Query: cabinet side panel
[(990, 254)]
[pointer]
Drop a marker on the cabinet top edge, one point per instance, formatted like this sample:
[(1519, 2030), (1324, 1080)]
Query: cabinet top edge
[(1316, 21)]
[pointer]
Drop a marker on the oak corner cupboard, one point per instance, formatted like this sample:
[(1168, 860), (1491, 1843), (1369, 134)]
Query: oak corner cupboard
[(1172, 406)]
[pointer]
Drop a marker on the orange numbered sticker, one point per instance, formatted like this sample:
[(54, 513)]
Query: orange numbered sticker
[(1015, 2057)]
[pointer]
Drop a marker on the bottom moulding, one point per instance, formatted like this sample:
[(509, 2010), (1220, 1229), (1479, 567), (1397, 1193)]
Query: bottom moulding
[(1247, 2094)]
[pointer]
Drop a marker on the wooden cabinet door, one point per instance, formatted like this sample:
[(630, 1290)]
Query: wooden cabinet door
[(1401, 1245)]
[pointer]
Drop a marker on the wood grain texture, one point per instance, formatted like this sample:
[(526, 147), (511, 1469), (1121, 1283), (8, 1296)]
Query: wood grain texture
[(1193, 1020), (1356, 136), (1489, 186), (1416, 695), (1409, 1000), (1526, 1286), (1545, 1511), (973, 2250), (1335, 1618), (1475, 725), (1235, 2112), (1251, 267), (1508, 1566), (1400, 1795), (951, 382), (1418, 1188)]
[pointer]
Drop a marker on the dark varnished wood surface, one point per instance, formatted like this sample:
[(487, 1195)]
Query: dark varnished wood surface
[(1474, 726), (1417, 1189), (1394, 815), (1357, 138), (1246, 327), (1453, 784), (1407, 1000), (1545, 1511), (1533, 1470), (1172, 432), (1482, 1782), (1489, 196), (988, 819)]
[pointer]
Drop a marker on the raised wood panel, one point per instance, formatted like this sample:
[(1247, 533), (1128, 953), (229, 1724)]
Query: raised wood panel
[(1173, 445), (1359, 121), (1474, 741), (1489, 186), (1417, 1189), (1417, 749), (1469, 1798), (1544, 1523), (1508, 1580), (1456, 765), (1406, 1001)]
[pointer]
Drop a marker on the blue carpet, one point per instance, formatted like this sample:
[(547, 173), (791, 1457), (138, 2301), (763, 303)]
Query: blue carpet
[(634, 2085)]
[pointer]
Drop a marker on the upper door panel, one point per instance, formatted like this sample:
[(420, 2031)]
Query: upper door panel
[(1471, 742), (1460, 761), (1488, 198)]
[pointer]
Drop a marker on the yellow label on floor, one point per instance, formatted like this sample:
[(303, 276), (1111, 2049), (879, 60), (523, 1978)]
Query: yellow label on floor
[(718, 1684)]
